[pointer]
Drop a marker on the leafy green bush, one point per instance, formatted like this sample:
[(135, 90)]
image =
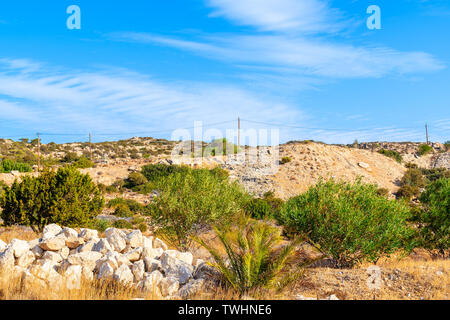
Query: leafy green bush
[(408, 192), (447, 145), (122, 224), (258, 209), (255, 260), (70, 157), (413, 178), (434, 219), (131, 205), (7, 166), (188, 202), (424, 149), (432, 175), (285, 160), (135, 179), (350, 222), (123, 211), (391, 154), (83, 163), (65, 197), (154, 172), (100, 225)]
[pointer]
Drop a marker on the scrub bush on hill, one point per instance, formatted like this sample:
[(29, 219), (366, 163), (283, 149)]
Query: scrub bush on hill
[(434, 218), (349, 222), (65, 197), (391, 154), (191, 200), (7, 166)]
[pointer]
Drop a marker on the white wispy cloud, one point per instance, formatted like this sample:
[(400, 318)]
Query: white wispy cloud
[(299, 55), (121, 101), (307, 16)]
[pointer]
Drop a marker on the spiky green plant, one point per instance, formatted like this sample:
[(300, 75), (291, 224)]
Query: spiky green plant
[(254, 258)]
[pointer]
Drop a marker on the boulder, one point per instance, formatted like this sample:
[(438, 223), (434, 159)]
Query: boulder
[(158, 243), (53, 244), (138, 270), (88, 234), (152, 264), (102, 246), (175, 268), (37, 251), (72, 277), (148, 242), (124, 275), (186, 257), (68, 233), (133, 255), (169, 286), (151, 281), (2, 246), (26, 259), (106, 271), (88, 246), (135, 239), (64, 252), (116, 239), (52, 229), (85, 259), (152, 253), (52, 257), (7, 259), (19, 247), (191, 288), (74, 242)]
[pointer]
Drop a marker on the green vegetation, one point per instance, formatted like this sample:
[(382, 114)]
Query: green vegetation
[(191, 200), (285, 160), (414, 178), (65, 197), (7, 166), (264, 208), (122, 224), (349, 222), (255, 260), (447, 145), (155, 172), (424, 149), (100, 225), (434, 218), (391, 154), (83, 163)]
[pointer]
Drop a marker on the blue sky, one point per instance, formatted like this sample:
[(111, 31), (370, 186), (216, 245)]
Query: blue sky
[(310, 68)]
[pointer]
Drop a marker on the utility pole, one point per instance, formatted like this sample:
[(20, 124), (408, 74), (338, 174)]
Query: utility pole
[(90, 145), (426, 130), (239, 132), (39, 152)]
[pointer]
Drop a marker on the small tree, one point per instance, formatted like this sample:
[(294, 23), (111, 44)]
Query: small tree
[(434, 218), (348, 221), (190, 201), (254, 259), (424, 149), (65, 197)]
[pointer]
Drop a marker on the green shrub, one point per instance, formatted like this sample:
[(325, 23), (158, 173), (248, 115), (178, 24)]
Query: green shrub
[(123, 211), (413, 178), (111, 189), (65, 197), (285, 160), (7, 166), (447, 145), (188, 202), (130, 205), (253, 259), (122, 224), (143, 227), (350, 222), (100, 225), (258, 209), (70, 157), (154, 172), (434, 219), (383, 192), (391, 154), (424, 149), (83, 163), (432, 175), (408, 192), (135, 179)]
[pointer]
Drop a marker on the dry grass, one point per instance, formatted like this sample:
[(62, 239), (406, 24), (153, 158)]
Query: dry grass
[(22, 233)]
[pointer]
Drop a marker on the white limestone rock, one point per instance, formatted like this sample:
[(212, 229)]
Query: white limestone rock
[(169, 286), (88, 234), (158, 243), (19, 247), (175, 268), (138, 270), (135, 239), (53, 229), (26, 259), (53, 244), (124, 275)]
